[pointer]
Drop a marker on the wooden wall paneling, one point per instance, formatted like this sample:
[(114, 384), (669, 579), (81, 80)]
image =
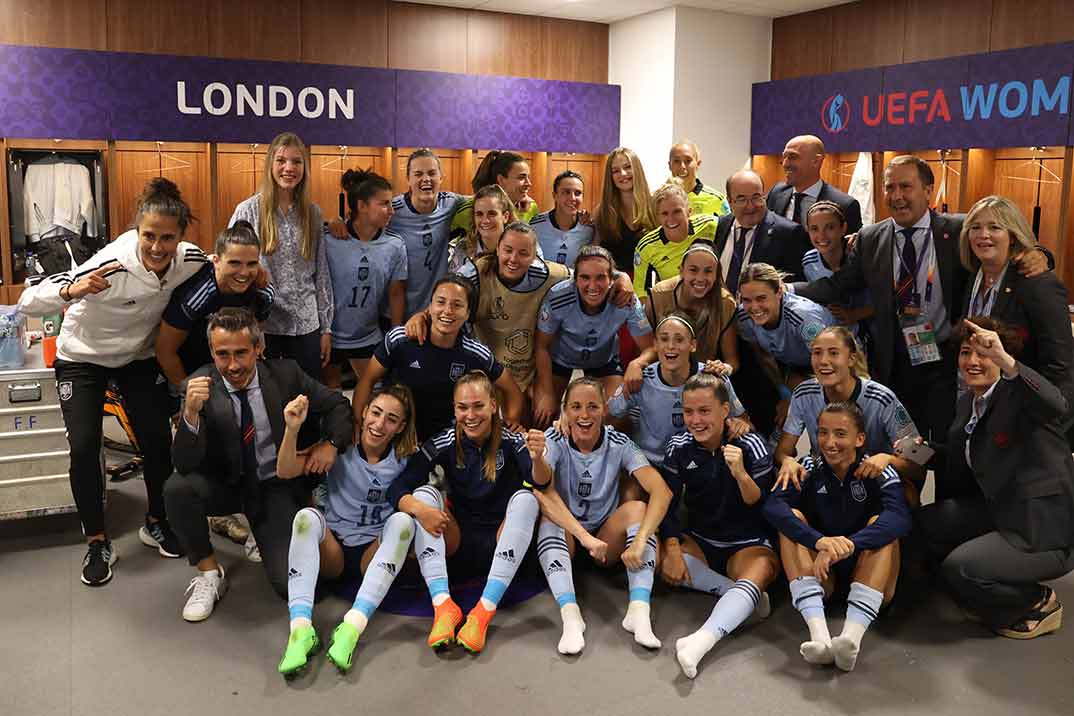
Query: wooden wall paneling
[(800, 46), (237, 175), (345, 32), (255, 30), (1020, 23), (573, 50), (867, 34), (450, 162), (1017, 177), (504, 44), (169, 27), (130, 171), (327, 164), (770, 169), (190, 172), (1064, 267), (945, 28), (426, 37), (978, 176), (79, 24)]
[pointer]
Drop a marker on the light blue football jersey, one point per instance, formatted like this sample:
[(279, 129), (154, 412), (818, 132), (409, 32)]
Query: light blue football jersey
[(357, 505), (426, 237), (361, 273), (586, 341), (561, 245), (800, 321)]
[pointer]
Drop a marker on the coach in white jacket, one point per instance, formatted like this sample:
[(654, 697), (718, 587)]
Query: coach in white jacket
[(115, 301)]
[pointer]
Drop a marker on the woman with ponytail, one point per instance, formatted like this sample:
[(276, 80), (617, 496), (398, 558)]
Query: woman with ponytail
[(114, 304)]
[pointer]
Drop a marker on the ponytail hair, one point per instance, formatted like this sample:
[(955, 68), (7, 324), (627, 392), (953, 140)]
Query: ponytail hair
[(406, 442), (495, 164), (161, 196), (492, 447), (709, 382), (361, 185), (764, 273), (848, 408), (858, 364), (241, 233)]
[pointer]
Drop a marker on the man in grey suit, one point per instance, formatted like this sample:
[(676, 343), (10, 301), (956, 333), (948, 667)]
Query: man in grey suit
[(802, 159), (910, 264), (224, 452)]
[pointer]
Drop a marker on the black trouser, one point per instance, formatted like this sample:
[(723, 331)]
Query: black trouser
[(82, 387), (193, 497), (929, 392), (304, 350), (991, 578)]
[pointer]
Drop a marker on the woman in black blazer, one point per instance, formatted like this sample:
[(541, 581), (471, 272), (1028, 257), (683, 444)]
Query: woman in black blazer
[(1011, 525), (993, 232)]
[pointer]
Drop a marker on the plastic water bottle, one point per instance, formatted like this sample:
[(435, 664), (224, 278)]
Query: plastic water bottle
[(12, 350)]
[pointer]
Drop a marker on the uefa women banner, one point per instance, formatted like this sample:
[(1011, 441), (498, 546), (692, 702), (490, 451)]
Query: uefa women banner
[(1014, 98), (81, 94)]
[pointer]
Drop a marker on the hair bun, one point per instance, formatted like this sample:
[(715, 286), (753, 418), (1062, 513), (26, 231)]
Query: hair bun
[(161, 185)]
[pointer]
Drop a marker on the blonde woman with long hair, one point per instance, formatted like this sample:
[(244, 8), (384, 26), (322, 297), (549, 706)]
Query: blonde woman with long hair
[(289, 227)]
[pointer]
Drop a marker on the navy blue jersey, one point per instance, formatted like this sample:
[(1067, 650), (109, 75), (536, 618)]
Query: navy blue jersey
[(196, 299), (886, 420), (557, 244), (715, 509), (841, 508), (475, 502), (800, 321), (362, 272), (357, 506), (431, 372), (426, 237)]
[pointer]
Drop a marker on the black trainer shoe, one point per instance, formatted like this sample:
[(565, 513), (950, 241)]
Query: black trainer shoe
[(159, 535), (97, 564)]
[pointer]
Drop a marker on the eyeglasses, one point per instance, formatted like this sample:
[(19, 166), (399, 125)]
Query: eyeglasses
[(743, 201)]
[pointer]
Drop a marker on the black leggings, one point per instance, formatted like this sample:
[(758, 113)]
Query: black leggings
[(82, 387), (991, 578), (304, 350)]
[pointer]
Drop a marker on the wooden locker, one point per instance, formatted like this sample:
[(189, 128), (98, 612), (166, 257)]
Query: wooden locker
[(239, 168), (451, 161), (1018, 171), (185, 163), (327, 164)]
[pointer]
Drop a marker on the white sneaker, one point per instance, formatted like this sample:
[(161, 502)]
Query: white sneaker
[(253, 552), (205, 591)]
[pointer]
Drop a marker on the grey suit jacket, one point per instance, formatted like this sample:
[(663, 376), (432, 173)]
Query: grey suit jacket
[(871, 264), (214, 450), (1021, 461)]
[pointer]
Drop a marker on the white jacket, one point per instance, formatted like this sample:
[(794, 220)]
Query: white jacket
[(58, 194), (117, 325)]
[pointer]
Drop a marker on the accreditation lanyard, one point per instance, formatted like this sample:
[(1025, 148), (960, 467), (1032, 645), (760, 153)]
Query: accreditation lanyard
[(982, 305), (929, 250)]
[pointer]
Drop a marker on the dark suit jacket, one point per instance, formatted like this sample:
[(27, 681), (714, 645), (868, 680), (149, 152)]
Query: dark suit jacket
[(215, 451), (1021, 461), (1037, 309), (777, 241), (779, 198), (871, 265)]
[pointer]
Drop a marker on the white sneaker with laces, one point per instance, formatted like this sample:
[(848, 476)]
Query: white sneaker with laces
[(205, 591)]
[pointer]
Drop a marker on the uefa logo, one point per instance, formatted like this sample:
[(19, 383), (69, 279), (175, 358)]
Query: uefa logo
[(835, 114)]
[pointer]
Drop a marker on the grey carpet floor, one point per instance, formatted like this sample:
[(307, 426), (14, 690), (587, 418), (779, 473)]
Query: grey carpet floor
[(123, 649)]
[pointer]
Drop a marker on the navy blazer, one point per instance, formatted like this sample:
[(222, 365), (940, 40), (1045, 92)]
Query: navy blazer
[(777, 241), (779, 198)]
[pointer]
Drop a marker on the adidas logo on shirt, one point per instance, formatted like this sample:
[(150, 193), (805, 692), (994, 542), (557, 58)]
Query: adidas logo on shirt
[(387, 567), (415, 364), (692, 465), (823, 490), (508, 555), (427, 553), (293, 573), (556, 566)]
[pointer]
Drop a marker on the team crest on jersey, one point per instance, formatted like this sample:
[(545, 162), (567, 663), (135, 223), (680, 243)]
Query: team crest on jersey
[(902, 418), (637, 259), (374, 495), (363, 273), (426, 239), (499, 460), (591, 338), (456, 371), (857, 491), (66, 389), (546, 315), (519, 342), (811, 330), (585, 489), (676, 420)]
